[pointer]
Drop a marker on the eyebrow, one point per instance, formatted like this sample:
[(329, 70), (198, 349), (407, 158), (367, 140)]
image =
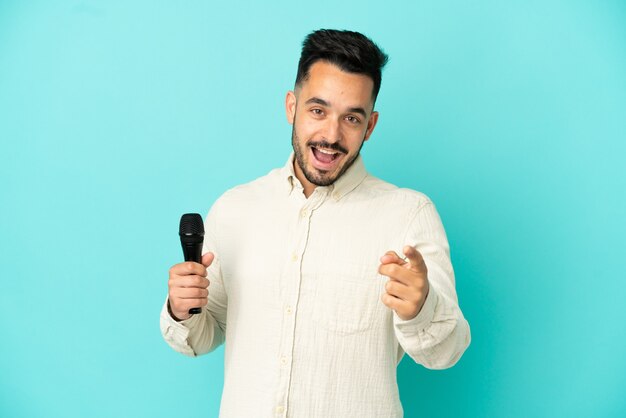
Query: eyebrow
[(323, 102)]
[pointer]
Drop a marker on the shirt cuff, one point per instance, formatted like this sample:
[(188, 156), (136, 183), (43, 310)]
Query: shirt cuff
[(176, 333), (423, 318)]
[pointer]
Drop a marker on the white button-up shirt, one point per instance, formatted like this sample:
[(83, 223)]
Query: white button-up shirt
[(295, 294)]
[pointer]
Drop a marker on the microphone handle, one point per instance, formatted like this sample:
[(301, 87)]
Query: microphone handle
[(193, 252)]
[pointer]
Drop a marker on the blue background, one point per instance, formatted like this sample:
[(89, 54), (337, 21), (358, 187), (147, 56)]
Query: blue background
[(509, 115)]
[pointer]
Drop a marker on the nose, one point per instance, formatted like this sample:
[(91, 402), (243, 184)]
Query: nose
[(332, 131)]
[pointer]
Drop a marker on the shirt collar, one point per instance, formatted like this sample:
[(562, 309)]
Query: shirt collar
[(341, 187)]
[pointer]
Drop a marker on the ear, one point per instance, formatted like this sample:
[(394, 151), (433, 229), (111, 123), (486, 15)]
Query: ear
[(371, 123), (290, 106)]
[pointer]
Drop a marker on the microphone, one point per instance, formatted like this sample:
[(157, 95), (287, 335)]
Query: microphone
[(191, 233)]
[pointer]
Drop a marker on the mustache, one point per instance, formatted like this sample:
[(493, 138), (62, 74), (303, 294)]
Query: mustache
[(327, 145)]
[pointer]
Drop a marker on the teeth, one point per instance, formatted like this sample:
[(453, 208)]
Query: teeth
[(326, 151)]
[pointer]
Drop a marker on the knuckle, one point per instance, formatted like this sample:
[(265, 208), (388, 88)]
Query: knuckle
[(177, 269), (416, 298), (388, 300)]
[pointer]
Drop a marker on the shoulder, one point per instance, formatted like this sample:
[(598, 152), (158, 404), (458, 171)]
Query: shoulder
[(375, 188), (264, 187)]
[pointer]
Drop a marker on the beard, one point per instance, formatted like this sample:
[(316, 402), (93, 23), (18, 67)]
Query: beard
[(314, 176)]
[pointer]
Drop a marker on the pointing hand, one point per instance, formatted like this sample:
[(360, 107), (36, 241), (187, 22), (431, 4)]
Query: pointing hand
[(407, 288)]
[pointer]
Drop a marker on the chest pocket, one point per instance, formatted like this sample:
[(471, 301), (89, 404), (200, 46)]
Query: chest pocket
[(347, 299)]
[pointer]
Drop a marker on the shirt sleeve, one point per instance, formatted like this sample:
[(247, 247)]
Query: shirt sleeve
[(439, 334), (204, 332)]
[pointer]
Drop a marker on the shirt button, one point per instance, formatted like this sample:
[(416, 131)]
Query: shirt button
[(280, 409), (288, 310), (283, 360), (303, 213), (294, 257)]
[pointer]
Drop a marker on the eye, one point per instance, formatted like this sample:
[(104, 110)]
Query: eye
[(353, 119), (317, 111)]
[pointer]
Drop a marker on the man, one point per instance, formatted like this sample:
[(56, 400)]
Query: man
[(318, 276)]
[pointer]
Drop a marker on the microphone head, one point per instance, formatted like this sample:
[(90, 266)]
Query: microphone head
[(191, 228)]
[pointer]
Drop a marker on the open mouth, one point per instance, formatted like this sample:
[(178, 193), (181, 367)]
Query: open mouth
[(324, 158), (325, 155)]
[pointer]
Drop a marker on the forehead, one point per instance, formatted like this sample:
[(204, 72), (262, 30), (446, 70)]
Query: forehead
[(329, 82)]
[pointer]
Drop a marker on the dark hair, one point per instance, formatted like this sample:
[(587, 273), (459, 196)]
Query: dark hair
[(353, 52)]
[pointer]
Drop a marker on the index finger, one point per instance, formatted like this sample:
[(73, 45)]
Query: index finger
[(188, 268), (415, 258)]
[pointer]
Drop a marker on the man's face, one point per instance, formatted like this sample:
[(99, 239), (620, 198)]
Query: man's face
[(332, 115)]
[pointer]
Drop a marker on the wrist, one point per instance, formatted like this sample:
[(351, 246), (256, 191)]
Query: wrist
[(177, 318)]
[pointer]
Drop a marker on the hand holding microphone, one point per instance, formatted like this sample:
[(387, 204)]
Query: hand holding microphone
[(188, 281)]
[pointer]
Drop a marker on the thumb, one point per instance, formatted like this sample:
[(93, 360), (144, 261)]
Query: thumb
[(392, 257), (207, 259)]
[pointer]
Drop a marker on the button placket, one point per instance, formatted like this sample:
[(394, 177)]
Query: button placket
[(293, 269)]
